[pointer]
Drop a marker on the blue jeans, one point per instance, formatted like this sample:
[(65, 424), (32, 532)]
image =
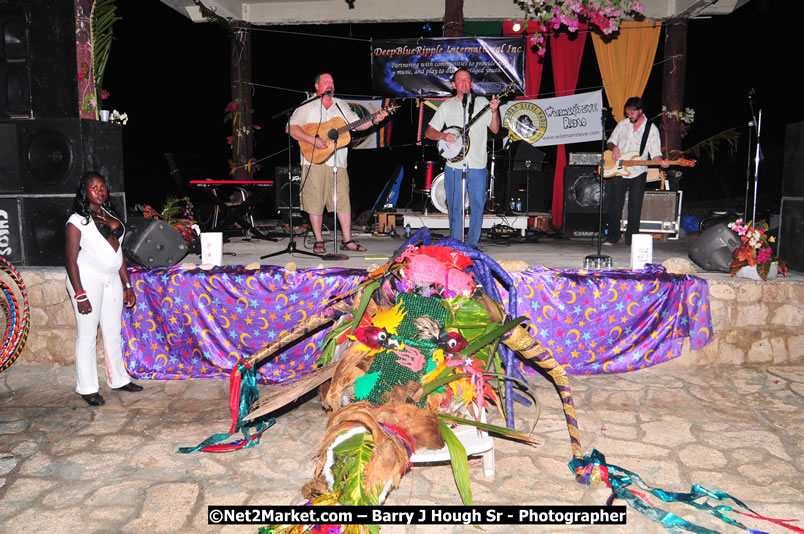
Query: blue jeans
[(476, 187)]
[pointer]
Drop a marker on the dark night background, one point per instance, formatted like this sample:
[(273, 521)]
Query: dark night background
[(172, 78)]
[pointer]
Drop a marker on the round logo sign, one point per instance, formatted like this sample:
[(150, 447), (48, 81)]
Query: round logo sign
[(525, 121)]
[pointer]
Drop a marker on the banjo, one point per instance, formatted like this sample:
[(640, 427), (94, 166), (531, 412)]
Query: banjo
[(458, 149)]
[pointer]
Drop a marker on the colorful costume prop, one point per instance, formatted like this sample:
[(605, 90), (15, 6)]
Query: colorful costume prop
[(17, 316), (422, 344)]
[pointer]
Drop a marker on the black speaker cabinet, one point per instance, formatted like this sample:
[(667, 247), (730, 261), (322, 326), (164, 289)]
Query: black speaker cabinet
[(49, 156), (153, 243), (38, 66), (791, 233), (286, 193), (661, 212), (582, 192), (713, 248), (32, 227)]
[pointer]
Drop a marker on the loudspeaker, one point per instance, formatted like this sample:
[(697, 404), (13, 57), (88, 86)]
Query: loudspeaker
[(153, 243), (38, 66), (582, 201), (713, 248), (793, 169), (49, 156), (32, 227), (286, 193), (791, 232)]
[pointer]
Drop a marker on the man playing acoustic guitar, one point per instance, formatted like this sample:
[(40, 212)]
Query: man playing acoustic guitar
[(317, 175), (630, 135)]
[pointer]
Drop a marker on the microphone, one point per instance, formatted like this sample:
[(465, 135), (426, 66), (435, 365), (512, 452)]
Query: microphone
[(326, 93), (464, 99), (751, 93)]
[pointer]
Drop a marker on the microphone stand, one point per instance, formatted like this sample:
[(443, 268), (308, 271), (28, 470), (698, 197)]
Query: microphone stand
[(465, 169), (757, 123), (292, 248), (599, 261)]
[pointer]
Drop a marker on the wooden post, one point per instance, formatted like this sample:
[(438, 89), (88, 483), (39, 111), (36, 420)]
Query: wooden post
[(242, 127), (453, 18), (675, 66)]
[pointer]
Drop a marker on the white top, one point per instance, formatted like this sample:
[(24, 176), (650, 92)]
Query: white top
[(96, 252), (450, 113), (628, 140), (313, 113)]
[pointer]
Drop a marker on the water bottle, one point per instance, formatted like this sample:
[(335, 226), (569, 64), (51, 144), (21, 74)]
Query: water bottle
[(407, 231), (513, 204), (518, 204)]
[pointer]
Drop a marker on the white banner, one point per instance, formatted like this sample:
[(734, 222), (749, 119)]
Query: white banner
[(555, 121)]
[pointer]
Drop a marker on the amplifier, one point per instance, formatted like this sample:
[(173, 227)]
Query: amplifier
[(584, 158), (661, 213)]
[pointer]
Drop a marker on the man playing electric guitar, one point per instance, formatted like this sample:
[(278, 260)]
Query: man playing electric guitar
[(450, 113), (632, 134), (317, 178)]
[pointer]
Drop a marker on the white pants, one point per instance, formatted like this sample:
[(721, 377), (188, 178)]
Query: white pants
[(105, 292)]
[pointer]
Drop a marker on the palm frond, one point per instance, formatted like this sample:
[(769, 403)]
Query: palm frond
[(459, 461), (102, 18), (711, 145)]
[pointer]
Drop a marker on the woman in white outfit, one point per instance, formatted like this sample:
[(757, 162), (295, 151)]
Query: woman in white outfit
[(96, 278)]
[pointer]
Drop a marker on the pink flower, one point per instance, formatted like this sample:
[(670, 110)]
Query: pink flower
[(104, 94)]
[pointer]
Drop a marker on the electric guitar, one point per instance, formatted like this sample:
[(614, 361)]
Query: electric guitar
[(336, 128), (612, 168), (457, 150)]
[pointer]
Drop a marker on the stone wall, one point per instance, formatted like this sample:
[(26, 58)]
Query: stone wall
[(755, 323)]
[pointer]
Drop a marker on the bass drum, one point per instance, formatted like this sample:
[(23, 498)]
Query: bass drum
[(438, 195)]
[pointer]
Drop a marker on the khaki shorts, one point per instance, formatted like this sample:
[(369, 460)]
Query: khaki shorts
[(317, 189)]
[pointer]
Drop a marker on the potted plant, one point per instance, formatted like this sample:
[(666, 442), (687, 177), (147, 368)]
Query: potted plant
[(754, 258)]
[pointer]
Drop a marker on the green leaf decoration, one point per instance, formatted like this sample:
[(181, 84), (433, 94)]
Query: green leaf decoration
[(365, 384), (103, 16), (351, 457), (460, 464), (501, 430)]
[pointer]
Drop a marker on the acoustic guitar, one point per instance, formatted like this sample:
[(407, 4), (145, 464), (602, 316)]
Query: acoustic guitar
[(612, 168), (457, 150), (336, 128)]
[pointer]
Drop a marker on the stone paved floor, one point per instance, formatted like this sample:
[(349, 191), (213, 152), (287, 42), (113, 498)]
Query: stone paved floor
[(66, 467)]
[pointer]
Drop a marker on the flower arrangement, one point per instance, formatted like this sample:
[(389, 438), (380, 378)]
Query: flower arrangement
[(177, 212), (117, 116), (235, 112), (754, 249), (604, 14), (680, 119)]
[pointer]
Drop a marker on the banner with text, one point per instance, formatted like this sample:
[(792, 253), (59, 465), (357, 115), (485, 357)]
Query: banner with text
[(422, 67), (555, 121)]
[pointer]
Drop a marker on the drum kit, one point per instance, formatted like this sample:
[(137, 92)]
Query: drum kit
[(428, 180)]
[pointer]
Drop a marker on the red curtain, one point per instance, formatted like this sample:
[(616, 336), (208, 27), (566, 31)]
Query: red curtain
[(567, 51), (533, 63)]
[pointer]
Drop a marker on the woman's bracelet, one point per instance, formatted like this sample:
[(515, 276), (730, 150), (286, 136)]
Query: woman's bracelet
[(79, 294), (127, 285)]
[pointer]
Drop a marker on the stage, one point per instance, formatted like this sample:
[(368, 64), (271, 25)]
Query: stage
[(752, 322)]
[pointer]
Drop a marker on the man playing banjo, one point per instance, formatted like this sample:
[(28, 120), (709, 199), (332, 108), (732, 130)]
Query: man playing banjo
[(451, 113)]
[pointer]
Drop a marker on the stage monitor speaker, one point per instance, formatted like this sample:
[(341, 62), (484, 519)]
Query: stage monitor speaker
[(32, 227), (791, 233), (38, 66), (49, 156), (153, 243), (713, 248), (582, 201), (793, 169)]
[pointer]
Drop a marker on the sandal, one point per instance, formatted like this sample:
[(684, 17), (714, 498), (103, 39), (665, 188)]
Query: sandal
[(319, 247), (357, 246)]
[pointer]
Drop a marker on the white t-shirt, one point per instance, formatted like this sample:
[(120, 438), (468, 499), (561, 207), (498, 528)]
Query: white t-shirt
[(315, 113), (96, 252), (628, 140), (450, 113)]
